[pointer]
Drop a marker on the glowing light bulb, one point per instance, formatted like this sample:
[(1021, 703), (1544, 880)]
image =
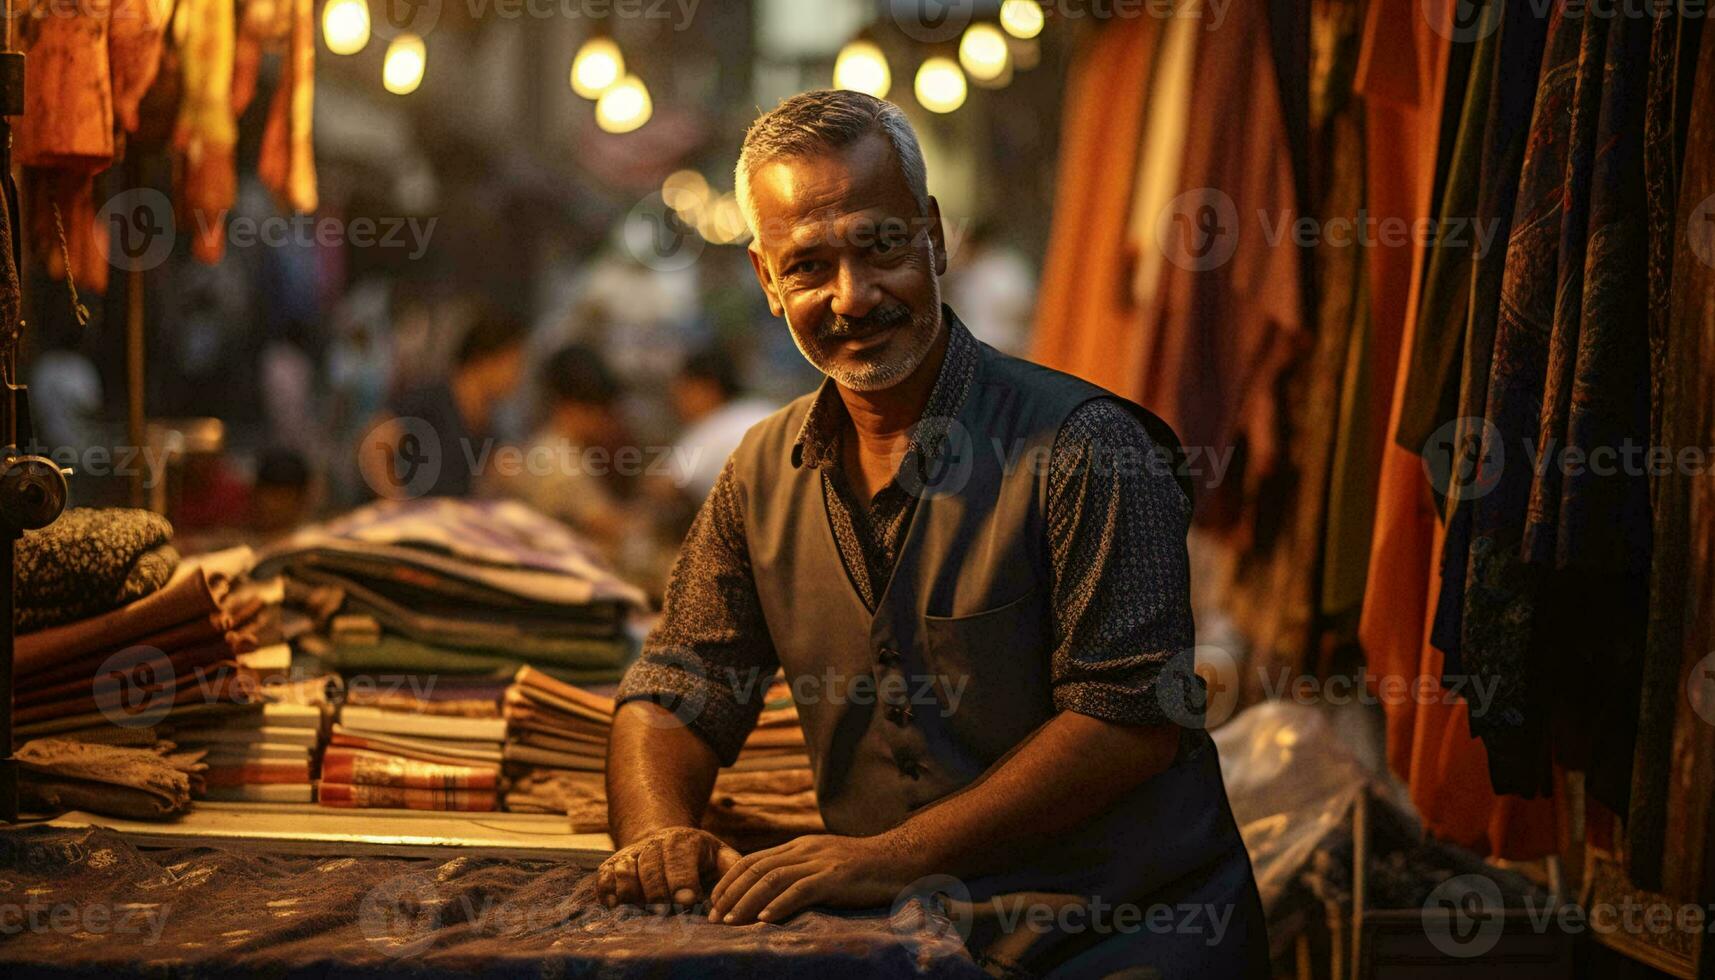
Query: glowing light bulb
[(1021, 18), (407, 59), (625, 106), (861, 67), (941, 85), (597, 67), (983, 52), (345, 26)]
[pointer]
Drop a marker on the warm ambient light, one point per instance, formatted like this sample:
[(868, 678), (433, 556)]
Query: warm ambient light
[(686, 192), (983, 52), (345, 26), (727, 222), (1021, 18), (940, 85), (407, 58), (625, 106), (861, 67), (597, 67)]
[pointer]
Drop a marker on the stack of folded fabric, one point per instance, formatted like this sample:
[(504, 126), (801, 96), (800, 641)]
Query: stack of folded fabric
[(263, 752), (141, 782), (117, 632), (445, 586), (433, 745), (556, 751)]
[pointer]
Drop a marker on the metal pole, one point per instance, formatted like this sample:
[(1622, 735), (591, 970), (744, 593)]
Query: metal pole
[(13, 104)]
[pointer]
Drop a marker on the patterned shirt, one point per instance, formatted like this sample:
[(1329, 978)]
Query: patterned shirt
[(1120, 590)]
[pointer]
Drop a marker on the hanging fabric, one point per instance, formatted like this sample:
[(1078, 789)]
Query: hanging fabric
[(1429, 743), (1673, 60), (1086, 322)]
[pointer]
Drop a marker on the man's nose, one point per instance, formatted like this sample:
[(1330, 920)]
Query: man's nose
[(856, 292)]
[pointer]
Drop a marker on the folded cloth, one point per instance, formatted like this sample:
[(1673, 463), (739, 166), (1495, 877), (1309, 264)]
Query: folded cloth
[(61, 774), (185, 661), (190, 596), (87, 562), (587, 661), (501, 545), (125, 701), (196, 633)]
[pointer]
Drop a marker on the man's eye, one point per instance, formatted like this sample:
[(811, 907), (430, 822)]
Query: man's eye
[(807, 267)]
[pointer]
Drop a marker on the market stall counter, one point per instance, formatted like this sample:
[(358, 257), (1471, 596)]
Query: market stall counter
[(94, 902)]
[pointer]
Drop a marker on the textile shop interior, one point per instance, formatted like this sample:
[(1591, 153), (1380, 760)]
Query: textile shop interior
[(368, 363)]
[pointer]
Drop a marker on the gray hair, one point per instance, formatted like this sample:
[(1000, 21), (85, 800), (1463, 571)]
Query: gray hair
[(824, 120)]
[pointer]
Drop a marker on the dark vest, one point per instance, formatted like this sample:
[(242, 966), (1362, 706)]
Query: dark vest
[(915, 701)]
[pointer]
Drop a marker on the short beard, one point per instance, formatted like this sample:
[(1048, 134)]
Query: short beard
[(925, 331)]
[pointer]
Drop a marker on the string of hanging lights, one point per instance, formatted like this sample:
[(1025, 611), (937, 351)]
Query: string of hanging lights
[(986, 58)]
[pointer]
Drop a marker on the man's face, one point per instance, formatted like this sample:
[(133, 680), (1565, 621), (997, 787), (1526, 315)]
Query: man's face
[(847, 259)]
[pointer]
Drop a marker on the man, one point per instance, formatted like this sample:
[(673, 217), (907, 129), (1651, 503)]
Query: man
[(581, 399), (976, 593), (709, 402), (436, 428)]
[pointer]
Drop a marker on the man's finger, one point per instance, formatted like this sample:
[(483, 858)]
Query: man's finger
[(800, 895), (682, 859), (652, 874), (725, 858), (738, 867), (744, 876), (626, 888), (767, 887)]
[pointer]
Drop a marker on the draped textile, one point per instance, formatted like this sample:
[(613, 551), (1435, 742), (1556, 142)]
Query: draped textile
[(1429, 744)]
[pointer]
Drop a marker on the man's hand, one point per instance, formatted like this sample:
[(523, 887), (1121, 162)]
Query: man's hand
[(667, 867), (845, 872)]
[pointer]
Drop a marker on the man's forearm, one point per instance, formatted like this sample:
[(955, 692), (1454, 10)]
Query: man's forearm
[(659, 773), (1065, 774)]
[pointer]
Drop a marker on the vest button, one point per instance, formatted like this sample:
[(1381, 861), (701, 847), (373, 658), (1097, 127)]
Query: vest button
[(907, 765), (887, 656), (899, 714)]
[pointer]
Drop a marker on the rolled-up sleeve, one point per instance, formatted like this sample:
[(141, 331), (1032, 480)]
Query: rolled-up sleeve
[(1117, 522), (709, 658)]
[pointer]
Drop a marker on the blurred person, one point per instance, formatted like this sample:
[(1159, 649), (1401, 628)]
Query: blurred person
[(991, 659), (994, 289), (572, 467), (281, 499), (434, 437), (707, 398)]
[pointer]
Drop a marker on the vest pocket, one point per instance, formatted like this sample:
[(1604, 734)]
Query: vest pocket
[(989, 671)]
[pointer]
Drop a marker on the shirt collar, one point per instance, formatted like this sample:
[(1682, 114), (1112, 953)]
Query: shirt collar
[(818, 442)]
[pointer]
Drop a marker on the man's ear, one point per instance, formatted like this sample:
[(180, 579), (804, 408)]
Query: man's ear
[(937, 237), (765, 279)]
